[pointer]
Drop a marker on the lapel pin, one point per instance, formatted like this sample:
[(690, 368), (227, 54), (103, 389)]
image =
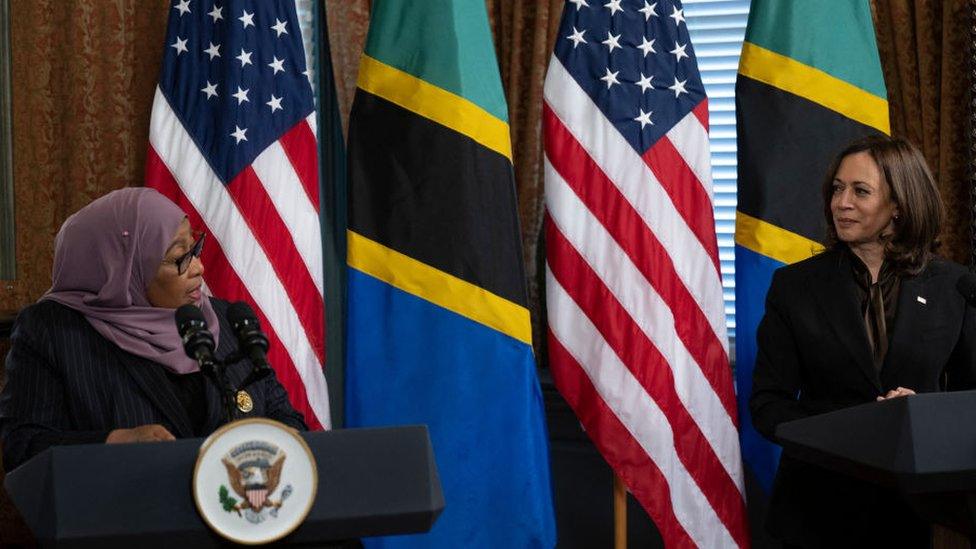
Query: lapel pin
[(921, 300), (244, 402)]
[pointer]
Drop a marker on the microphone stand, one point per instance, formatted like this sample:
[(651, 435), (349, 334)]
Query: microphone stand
[(199, 344), (215, 372)]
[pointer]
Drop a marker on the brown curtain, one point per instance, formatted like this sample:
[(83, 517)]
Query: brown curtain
[(524, 34), (924, 47), (83, 79), (348, 23)]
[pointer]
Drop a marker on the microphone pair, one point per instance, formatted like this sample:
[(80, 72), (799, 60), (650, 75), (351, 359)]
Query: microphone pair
[(198, 341)]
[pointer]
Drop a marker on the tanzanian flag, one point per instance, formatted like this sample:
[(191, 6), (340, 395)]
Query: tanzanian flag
[(809, 83), (438, 328)]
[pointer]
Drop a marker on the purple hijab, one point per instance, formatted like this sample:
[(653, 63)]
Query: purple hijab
[(105, 256)]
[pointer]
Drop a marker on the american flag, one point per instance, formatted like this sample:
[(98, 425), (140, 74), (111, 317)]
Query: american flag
[(637, 334), (232, 141)]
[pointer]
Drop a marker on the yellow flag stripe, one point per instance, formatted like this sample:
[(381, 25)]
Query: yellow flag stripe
[(436, 286), (810, 83), (772, 241), (436, 104)]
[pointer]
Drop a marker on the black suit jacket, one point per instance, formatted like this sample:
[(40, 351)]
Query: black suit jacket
[(814, 357), (67, 384)]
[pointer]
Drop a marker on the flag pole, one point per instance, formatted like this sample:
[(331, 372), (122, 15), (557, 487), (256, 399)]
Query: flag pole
[(619, 514)]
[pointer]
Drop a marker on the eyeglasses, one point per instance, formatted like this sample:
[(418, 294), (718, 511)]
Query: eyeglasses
[(183, 262)]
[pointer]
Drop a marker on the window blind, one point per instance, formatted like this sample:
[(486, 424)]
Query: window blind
[(305, 9), (717, 29)]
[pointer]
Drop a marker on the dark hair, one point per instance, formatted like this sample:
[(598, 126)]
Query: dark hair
[(913, 189)]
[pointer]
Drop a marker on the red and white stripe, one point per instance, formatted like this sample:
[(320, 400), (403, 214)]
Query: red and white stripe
[(637, 337), (257, 498), (264, 246)]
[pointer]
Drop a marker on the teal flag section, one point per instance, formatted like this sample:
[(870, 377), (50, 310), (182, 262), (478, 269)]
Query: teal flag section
[(828, 36), (456, 40)]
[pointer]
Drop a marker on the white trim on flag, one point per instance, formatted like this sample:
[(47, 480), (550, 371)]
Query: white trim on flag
[(691, 141), (635, 180), (649, 313), (284, 188), (636, 410), (312, 120), (210, 198)]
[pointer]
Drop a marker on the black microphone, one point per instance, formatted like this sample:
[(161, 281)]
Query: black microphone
[(254, 343), (198, 342), (967, 287)]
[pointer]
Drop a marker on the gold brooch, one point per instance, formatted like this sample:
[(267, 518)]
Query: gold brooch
[(244, 402)]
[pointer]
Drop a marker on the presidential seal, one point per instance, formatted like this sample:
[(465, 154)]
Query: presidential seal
[(254, 471), (255, 481)]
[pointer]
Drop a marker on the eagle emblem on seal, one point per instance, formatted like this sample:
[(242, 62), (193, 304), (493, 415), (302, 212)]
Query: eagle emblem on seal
[(254, 472)]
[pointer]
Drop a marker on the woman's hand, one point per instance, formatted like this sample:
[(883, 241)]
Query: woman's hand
[(142, 433), (895, 393)]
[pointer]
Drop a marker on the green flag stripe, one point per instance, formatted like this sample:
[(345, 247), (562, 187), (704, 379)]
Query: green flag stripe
[(836, 37), (458, 54)]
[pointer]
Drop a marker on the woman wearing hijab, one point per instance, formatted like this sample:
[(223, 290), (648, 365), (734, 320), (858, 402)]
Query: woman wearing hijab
[(875, 316), (98, 357)]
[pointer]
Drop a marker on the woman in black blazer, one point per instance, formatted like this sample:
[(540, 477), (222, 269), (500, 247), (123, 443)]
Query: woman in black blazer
[(98, 358), (875, 316)]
